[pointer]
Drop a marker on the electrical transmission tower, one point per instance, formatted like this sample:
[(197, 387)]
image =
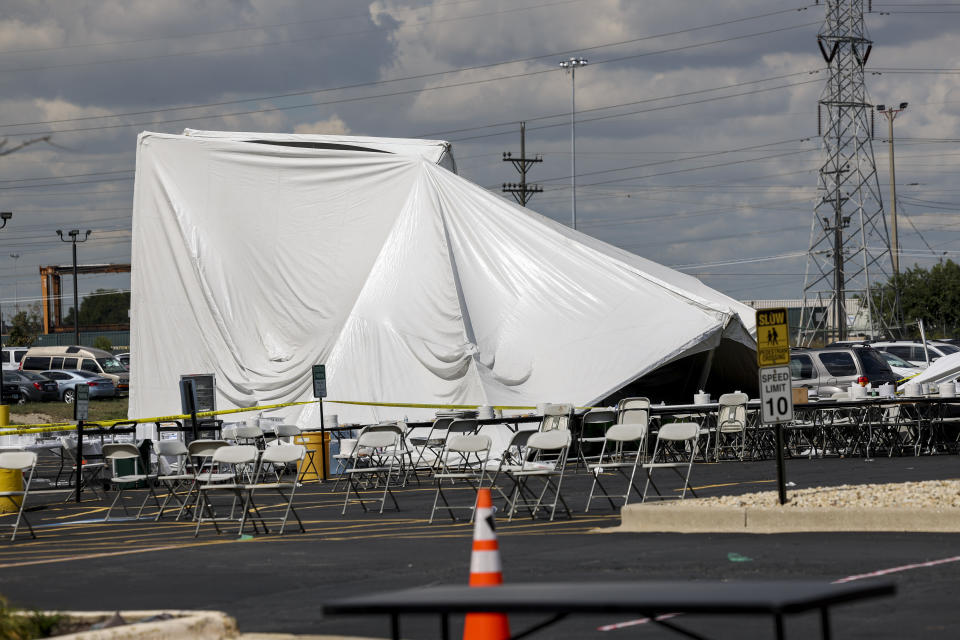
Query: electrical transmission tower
[(522, 191), (849, 246)]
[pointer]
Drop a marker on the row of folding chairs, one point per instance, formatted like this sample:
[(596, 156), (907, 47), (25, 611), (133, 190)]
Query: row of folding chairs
[(190, 474), (528, 475)]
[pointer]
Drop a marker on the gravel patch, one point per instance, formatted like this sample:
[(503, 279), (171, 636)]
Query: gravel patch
[(943, 494)]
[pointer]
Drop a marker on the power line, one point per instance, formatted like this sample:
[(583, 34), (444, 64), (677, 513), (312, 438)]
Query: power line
[(402, 92), (421, 76), (259, 45)]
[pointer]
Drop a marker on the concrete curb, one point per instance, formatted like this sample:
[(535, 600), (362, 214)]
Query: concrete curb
[(196, 625), (692, 518)]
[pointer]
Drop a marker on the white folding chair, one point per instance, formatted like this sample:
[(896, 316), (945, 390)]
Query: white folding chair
[(614, 456), (633, 410), (556, 416), (676, 440), (125, 451), (90, 471), (463, 458), (732, 425), (374, 462), (180, 472), (511, 459), (23, 462), (545, 460), (428, 446), (242, 458), (278, 457), (593, 426)]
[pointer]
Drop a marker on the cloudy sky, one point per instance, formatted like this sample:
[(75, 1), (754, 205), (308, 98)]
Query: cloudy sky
[(697, 121)]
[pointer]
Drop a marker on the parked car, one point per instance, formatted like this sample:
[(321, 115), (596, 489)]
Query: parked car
[(33, 386), (11, 357), (68, 379), (95, 361), (830, 370), (900, 366), (912, 351), (124, 359), (11, 390)]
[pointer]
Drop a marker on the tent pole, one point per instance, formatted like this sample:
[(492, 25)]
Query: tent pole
[(706, 369)]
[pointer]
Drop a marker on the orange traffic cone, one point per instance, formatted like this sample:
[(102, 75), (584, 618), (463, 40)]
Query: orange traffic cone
[(485, 571)]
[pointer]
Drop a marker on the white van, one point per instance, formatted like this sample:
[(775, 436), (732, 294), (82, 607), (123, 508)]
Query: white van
[(84, 358), (11, 357)]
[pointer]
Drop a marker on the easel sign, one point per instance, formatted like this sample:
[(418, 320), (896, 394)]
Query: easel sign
[(81, 402), (319, 381), (320, 392)]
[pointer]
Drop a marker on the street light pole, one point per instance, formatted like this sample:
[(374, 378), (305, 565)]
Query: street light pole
[(5, 412), (570, 66), (74, 239)]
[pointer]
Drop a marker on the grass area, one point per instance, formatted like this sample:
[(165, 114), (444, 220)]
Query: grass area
[(100, 409)]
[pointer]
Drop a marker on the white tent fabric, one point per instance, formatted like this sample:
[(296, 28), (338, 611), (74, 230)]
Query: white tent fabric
[(435, 151), (944, 369), (413, 285)]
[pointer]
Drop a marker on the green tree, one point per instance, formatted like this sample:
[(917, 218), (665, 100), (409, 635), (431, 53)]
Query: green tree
[(25, 327), (931, 295), (103, 306), (103, 342)]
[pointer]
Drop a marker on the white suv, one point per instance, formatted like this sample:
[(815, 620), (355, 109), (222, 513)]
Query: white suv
[(912, 351), (12, 356)]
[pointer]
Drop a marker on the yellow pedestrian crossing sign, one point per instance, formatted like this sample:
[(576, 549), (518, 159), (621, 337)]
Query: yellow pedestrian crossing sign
[(773, 338)]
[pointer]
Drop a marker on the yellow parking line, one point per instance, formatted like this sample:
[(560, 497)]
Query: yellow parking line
[(126, 552), (726, 484)]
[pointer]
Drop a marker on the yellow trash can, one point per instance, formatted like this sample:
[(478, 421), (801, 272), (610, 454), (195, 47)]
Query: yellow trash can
[(10, 480), (310, 468)]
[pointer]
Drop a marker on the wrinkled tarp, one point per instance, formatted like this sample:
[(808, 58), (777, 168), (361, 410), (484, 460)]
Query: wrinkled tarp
[(255, 259)]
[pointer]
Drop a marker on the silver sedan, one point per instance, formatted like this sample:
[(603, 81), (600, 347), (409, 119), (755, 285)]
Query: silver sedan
[(68, 379)]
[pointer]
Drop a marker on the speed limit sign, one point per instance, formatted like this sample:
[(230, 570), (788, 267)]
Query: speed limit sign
[(776, 395)]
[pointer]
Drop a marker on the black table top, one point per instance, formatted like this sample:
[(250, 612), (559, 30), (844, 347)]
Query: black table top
[(648, 597)]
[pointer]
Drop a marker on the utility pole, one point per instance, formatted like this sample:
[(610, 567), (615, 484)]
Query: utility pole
[(891, 114), (74, 234), (522, 192)]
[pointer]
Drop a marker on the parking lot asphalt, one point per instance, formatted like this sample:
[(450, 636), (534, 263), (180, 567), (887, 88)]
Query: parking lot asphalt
[(278, 584)]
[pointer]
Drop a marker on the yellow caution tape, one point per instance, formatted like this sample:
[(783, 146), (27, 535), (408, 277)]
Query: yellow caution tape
[(68, 426)]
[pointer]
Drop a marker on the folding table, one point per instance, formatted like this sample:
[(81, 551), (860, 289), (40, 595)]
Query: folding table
[(651, 599)]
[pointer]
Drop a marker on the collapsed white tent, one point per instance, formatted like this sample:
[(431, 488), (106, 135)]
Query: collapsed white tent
[(256, 256)]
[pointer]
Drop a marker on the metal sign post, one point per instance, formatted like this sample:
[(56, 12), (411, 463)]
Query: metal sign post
[(320, 392), (776, 389), (188, 403), (81, 411)]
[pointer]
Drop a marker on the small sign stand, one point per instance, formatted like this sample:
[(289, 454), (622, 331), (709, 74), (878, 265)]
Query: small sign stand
[(320, 392), (81, 411), (776, 390), (188, 403)]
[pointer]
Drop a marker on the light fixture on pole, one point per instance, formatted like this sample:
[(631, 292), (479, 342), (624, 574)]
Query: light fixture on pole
[(16, 285), (5, 414), (74, 235), (570, 65), (891, 114)]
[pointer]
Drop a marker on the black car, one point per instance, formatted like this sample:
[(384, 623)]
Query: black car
[(33, 387), (11, 389)]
